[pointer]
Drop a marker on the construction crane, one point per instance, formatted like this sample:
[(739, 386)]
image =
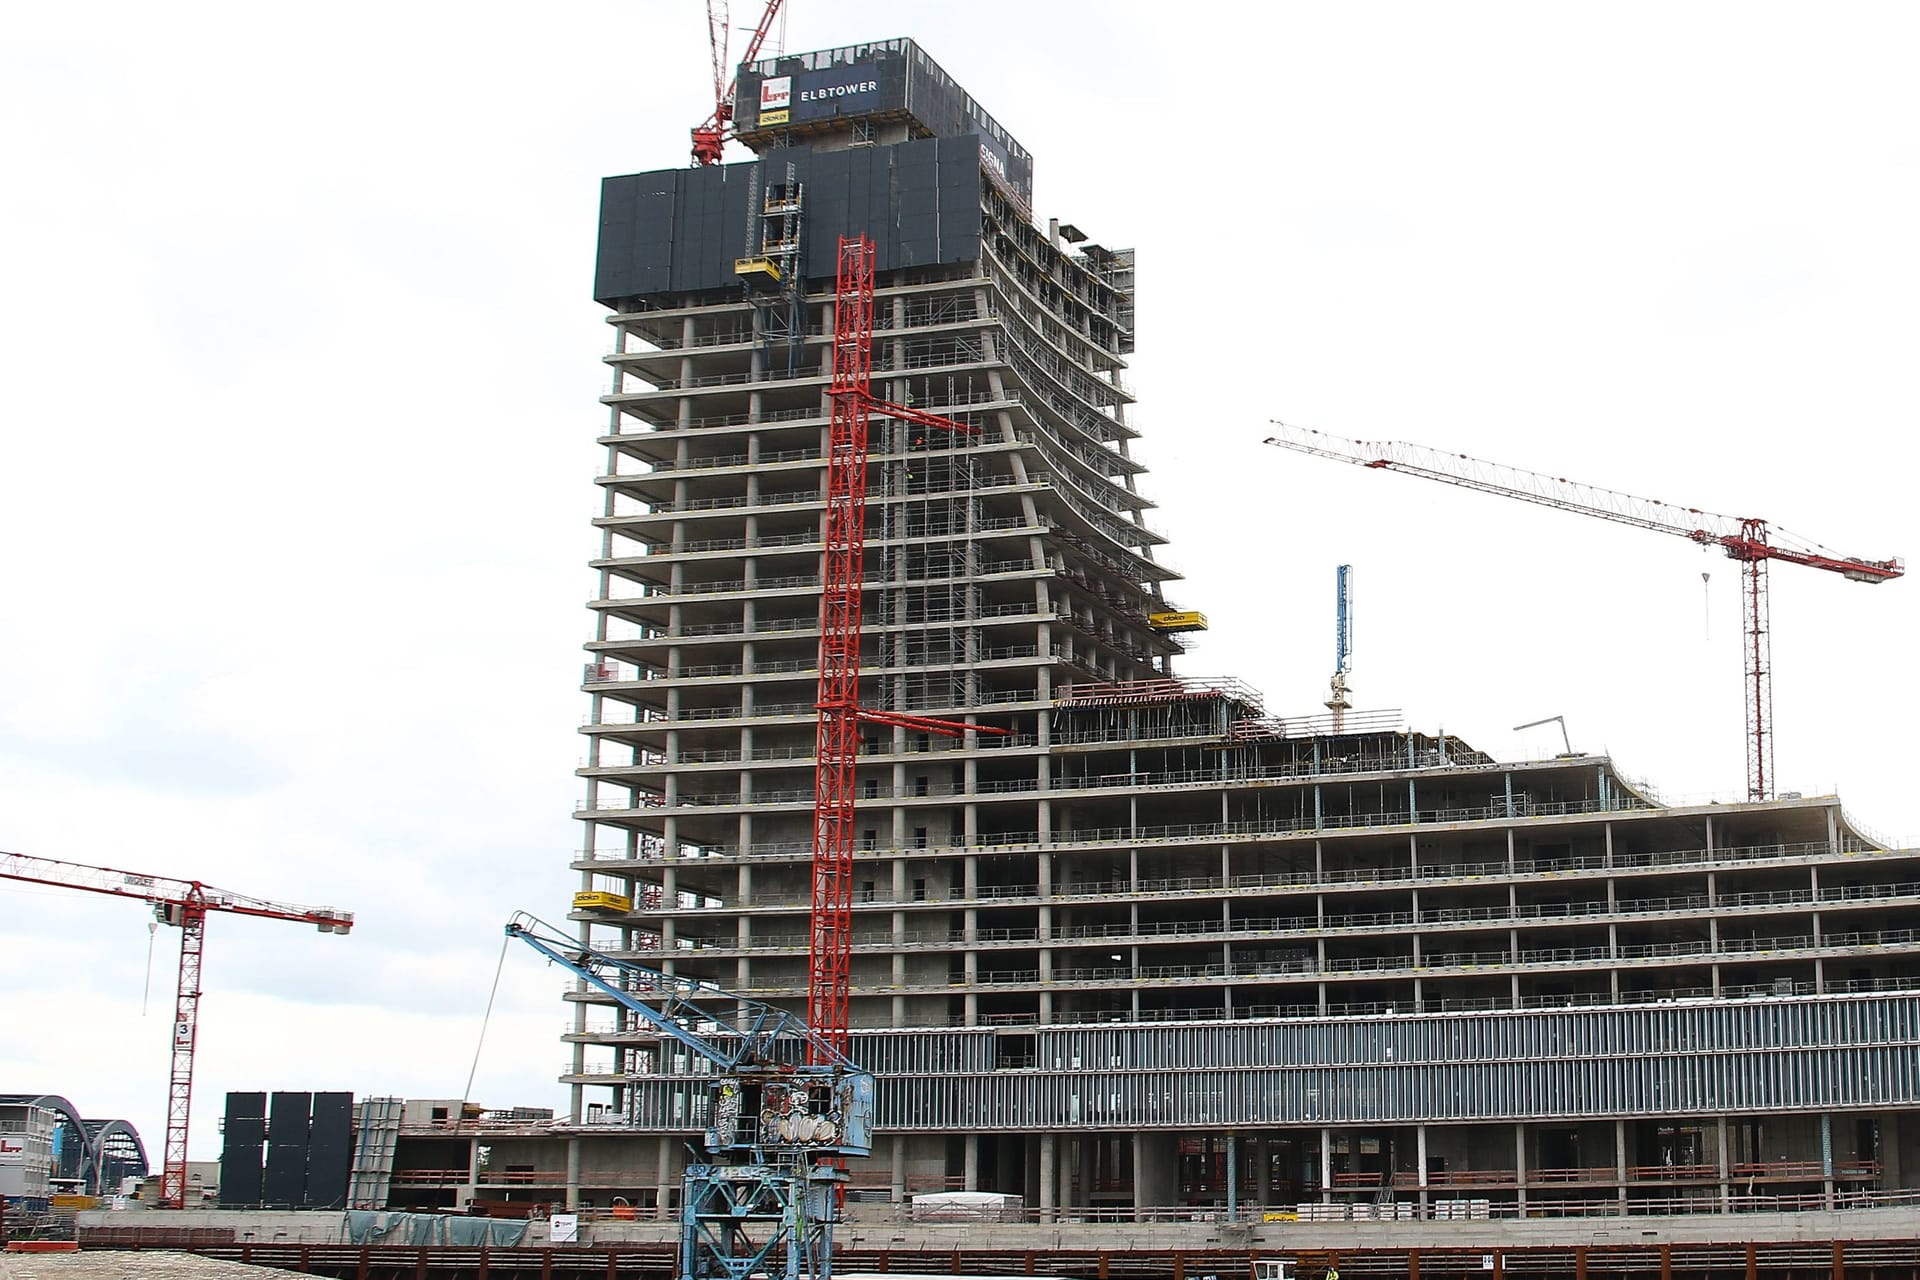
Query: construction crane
[(1745, 539), (184, 904), (1340, 703), (710, 135), (830, 949), (782, 1103)]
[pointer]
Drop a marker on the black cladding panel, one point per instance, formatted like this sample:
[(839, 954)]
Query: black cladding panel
[(289, 1121), (246, 1131), (243, 1139), (290, 1118), (330, 1151), (680, 230), (240, 1173), (241, 1105), (285, 1185)]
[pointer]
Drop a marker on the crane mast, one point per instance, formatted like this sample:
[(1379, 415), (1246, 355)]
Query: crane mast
[(184, 904), (1747, 540), (830, 950), (1340, 703)]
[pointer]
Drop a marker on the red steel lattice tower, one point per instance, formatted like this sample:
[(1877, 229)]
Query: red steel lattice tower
[(830, 951), (192, 918), (838, 741)]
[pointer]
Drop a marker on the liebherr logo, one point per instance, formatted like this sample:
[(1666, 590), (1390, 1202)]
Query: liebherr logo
[(776, 93)]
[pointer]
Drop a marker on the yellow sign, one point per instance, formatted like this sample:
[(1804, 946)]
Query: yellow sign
[(773, 117), (1177, 620), (600, 900)]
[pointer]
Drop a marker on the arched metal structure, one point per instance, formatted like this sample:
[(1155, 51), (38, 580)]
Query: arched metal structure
[(117, 1151), (96, 1153)]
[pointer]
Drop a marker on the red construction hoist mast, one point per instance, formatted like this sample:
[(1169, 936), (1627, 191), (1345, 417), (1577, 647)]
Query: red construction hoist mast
[(854, 404), (1743, 538), (710, 135), (183, 904)]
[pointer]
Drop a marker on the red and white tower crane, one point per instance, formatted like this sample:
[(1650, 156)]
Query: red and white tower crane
[(183, 904), (830, 952), (1746, 539), (710, 135)]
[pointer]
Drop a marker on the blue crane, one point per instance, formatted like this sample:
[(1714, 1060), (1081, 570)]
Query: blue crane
[(1339, 703), (782, 1106)]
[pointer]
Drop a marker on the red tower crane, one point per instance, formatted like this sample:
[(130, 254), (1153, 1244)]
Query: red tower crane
[(710, 135), (183, 904), (830, 952), (1745, 539)]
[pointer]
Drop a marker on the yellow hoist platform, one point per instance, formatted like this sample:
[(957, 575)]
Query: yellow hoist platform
[(757, 266), (600, 900), (1171, 621)]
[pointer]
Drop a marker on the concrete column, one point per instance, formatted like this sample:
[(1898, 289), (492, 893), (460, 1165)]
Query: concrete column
[(1520, 1167), (573, 1172), (1233, 1174), (472, 1189), (972, 1167), (1727, 1190), (1156, 1158), (664, 1180), (899, 1190), (1420, 1154), (1620, 1160), (1326, 1166), (1826, 1159), (1049, 1175)]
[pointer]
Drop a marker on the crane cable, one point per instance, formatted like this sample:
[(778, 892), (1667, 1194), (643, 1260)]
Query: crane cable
[(146, 983), (484, 1019)]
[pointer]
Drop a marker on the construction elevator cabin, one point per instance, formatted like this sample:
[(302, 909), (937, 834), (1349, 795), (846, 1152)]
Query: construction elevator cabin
[(1152, 947)]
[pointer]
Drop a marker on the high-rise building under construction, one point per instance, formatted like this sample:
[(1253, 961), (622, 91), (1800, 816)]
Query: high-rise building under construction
[(1146, 945)]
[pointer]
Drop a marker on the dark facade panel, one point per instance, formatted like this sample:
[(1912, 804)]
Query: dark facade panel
[(285, 1185), (241, 1169), (680, 230), (243, 1139), (290, 1118), (246, 1131), (330, 1151), (244, 1105)]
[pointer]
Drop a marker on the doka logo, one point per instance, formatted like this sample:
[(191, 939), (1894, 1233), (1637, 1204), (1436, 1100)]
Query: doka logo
[(776, 93)]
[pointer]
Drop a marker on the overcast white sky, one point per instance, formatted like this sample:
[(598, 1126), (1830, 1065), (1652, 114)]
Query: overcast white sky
[(300, 369)]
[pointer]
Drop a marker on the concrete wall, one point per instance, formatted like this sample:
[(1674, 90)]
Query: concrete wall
[(891, 1230)]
